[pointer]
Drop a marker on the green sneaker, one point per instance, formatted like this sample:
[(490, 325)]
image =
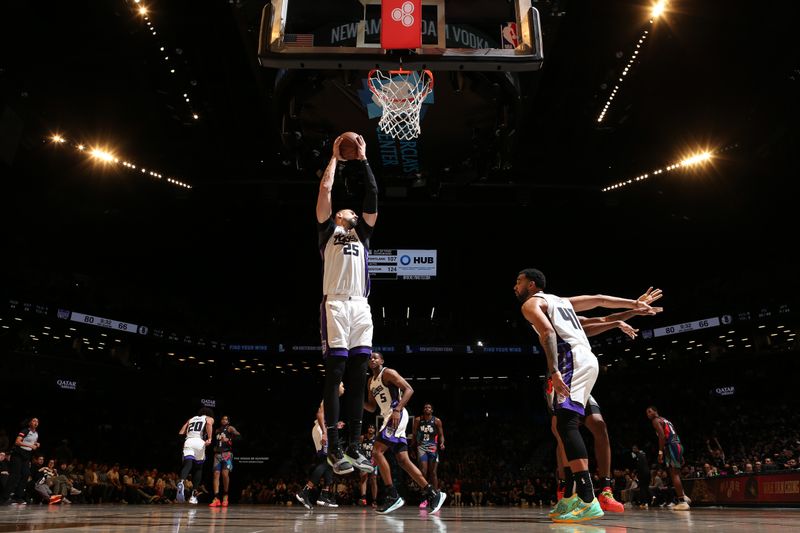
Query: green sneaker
[(564, 505), (581, 512)]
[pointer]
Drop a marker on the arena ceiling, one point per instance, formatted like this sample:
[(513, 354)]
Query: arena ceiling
[(713, 76)]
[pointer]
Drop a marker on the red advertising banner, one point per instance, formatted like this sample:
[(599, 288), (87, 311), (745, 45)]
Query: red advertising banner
[(401, 24), (746, 489)]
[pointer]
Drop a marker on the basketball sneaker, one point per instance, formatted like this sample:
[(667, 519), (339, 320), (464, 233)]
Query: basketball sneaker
[(563, 505), (357, 459), (215, 503), (435, 501), (224, 501), (362, 502), (581, 512), (608, 503), (303, 498), (339, 462), (681, 506), (390, 503), (54, 499), (193, 498), (180, 497), (424, 504), (326, 499)]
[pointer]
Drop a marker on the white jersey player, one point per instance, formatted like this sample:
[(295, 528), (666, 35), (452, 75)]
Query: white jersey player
[(345, 316), (573, 370), (389, 392), (198, 431)]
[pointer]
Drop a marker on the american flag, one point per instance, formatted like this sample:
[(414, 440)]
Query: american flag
[(298, 39)]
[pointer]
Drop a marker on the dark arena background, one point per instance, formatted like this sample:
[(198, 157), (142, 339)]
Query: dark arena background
[(161, 163)]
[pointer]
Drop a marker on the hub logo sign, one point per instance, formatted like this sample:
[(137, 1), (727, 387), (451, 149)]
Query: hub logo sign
[(419, 264)]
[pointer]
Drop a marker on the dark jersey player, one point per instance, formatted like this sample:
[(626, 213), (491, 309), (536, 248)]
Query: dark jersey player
[(670, 452), (223, 460), (428, 435), (371, 478), (346, 320)]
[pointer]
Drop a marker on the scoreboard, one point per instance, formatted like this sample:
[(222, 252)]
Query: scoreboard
[(402, 264)]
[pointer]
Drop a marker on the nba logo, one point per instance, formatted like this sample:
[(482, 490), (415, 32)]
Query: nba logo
[(508, 35)]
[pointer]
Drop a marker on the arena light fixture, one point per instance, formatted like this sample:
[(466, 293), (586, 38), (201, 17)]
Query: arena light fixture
[(693, 160), (142, 10), (658, 9)]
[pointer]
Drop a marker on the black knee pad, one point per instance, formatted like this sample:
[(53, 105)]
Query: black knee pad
[(567, 422)]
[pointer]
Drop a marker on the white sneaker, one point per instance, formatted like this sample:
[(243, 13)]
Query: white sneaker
[(74, 492), (180, 497), (681, 506), (193, 500), (65, 500), (687, 499)]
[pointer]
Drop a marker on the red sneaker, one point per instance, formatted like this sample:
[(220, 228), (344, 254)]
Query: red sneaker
[(559, 495), (215, 503), (608, 503), (225, 501)]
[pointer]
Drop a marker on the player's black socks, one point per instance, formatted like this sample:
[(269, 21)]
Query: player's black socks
[(583, 486), (428, 491), (391, 491), (334, 370), (569, 483), (606, 483)]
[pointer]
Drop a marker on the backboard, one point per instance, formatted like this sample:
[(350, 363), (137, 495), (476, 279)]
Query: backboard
[(478, 35)]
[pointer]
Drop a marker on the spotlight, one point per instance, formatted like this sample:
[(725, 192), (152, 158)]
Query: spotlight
[(58, 139), (142, 10), (658, 8)]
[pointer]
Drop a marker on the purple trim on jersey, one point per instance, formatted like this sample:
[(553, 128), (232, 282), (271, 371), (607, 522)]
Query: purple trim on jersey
[(366, 271), (393, 439), (193, 459), (571, 405), (361, 350), (323, 327), (566, 366), (338, 352)]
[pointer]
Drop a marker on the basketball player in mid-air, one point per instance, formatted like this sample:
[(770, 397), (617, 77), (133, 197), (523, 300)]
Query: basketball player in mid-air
[(389, 393), (346, 319), (573, 369), (593, 419), (198, 430), (428, 435), (670, 452), (223, 460)]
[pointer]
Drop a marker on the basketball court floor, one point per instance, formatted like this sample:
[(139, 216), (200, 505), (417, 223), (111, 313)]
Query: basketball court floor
[(241, 519)]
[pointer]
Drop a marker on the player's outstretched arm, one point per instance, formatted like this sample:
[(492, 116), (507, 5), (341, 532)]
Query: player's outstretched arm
[(324, 206), (369, 210), (586, 302), (601, 326)]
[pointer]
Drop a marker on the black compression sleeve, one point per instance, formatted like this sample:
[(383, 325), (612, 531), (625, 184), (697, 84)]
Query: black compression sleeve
[(370, 189)]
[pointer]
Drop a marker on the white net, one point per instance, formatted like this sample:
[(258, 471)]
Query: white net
[(400, 95)]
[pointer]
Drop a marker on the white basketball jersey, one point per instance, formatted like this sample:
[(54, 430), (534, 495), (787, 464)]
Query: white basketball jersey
[(345, 264), (564, 320), (386, 396), (196, 428)]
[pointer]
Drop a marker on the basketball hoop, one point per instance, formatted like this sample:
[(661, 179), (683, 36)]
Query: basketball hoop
[(401, 95)]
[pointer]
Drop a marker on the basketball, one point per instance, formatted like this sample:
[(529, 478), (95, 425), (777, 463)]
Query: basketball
[(348, 148)]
